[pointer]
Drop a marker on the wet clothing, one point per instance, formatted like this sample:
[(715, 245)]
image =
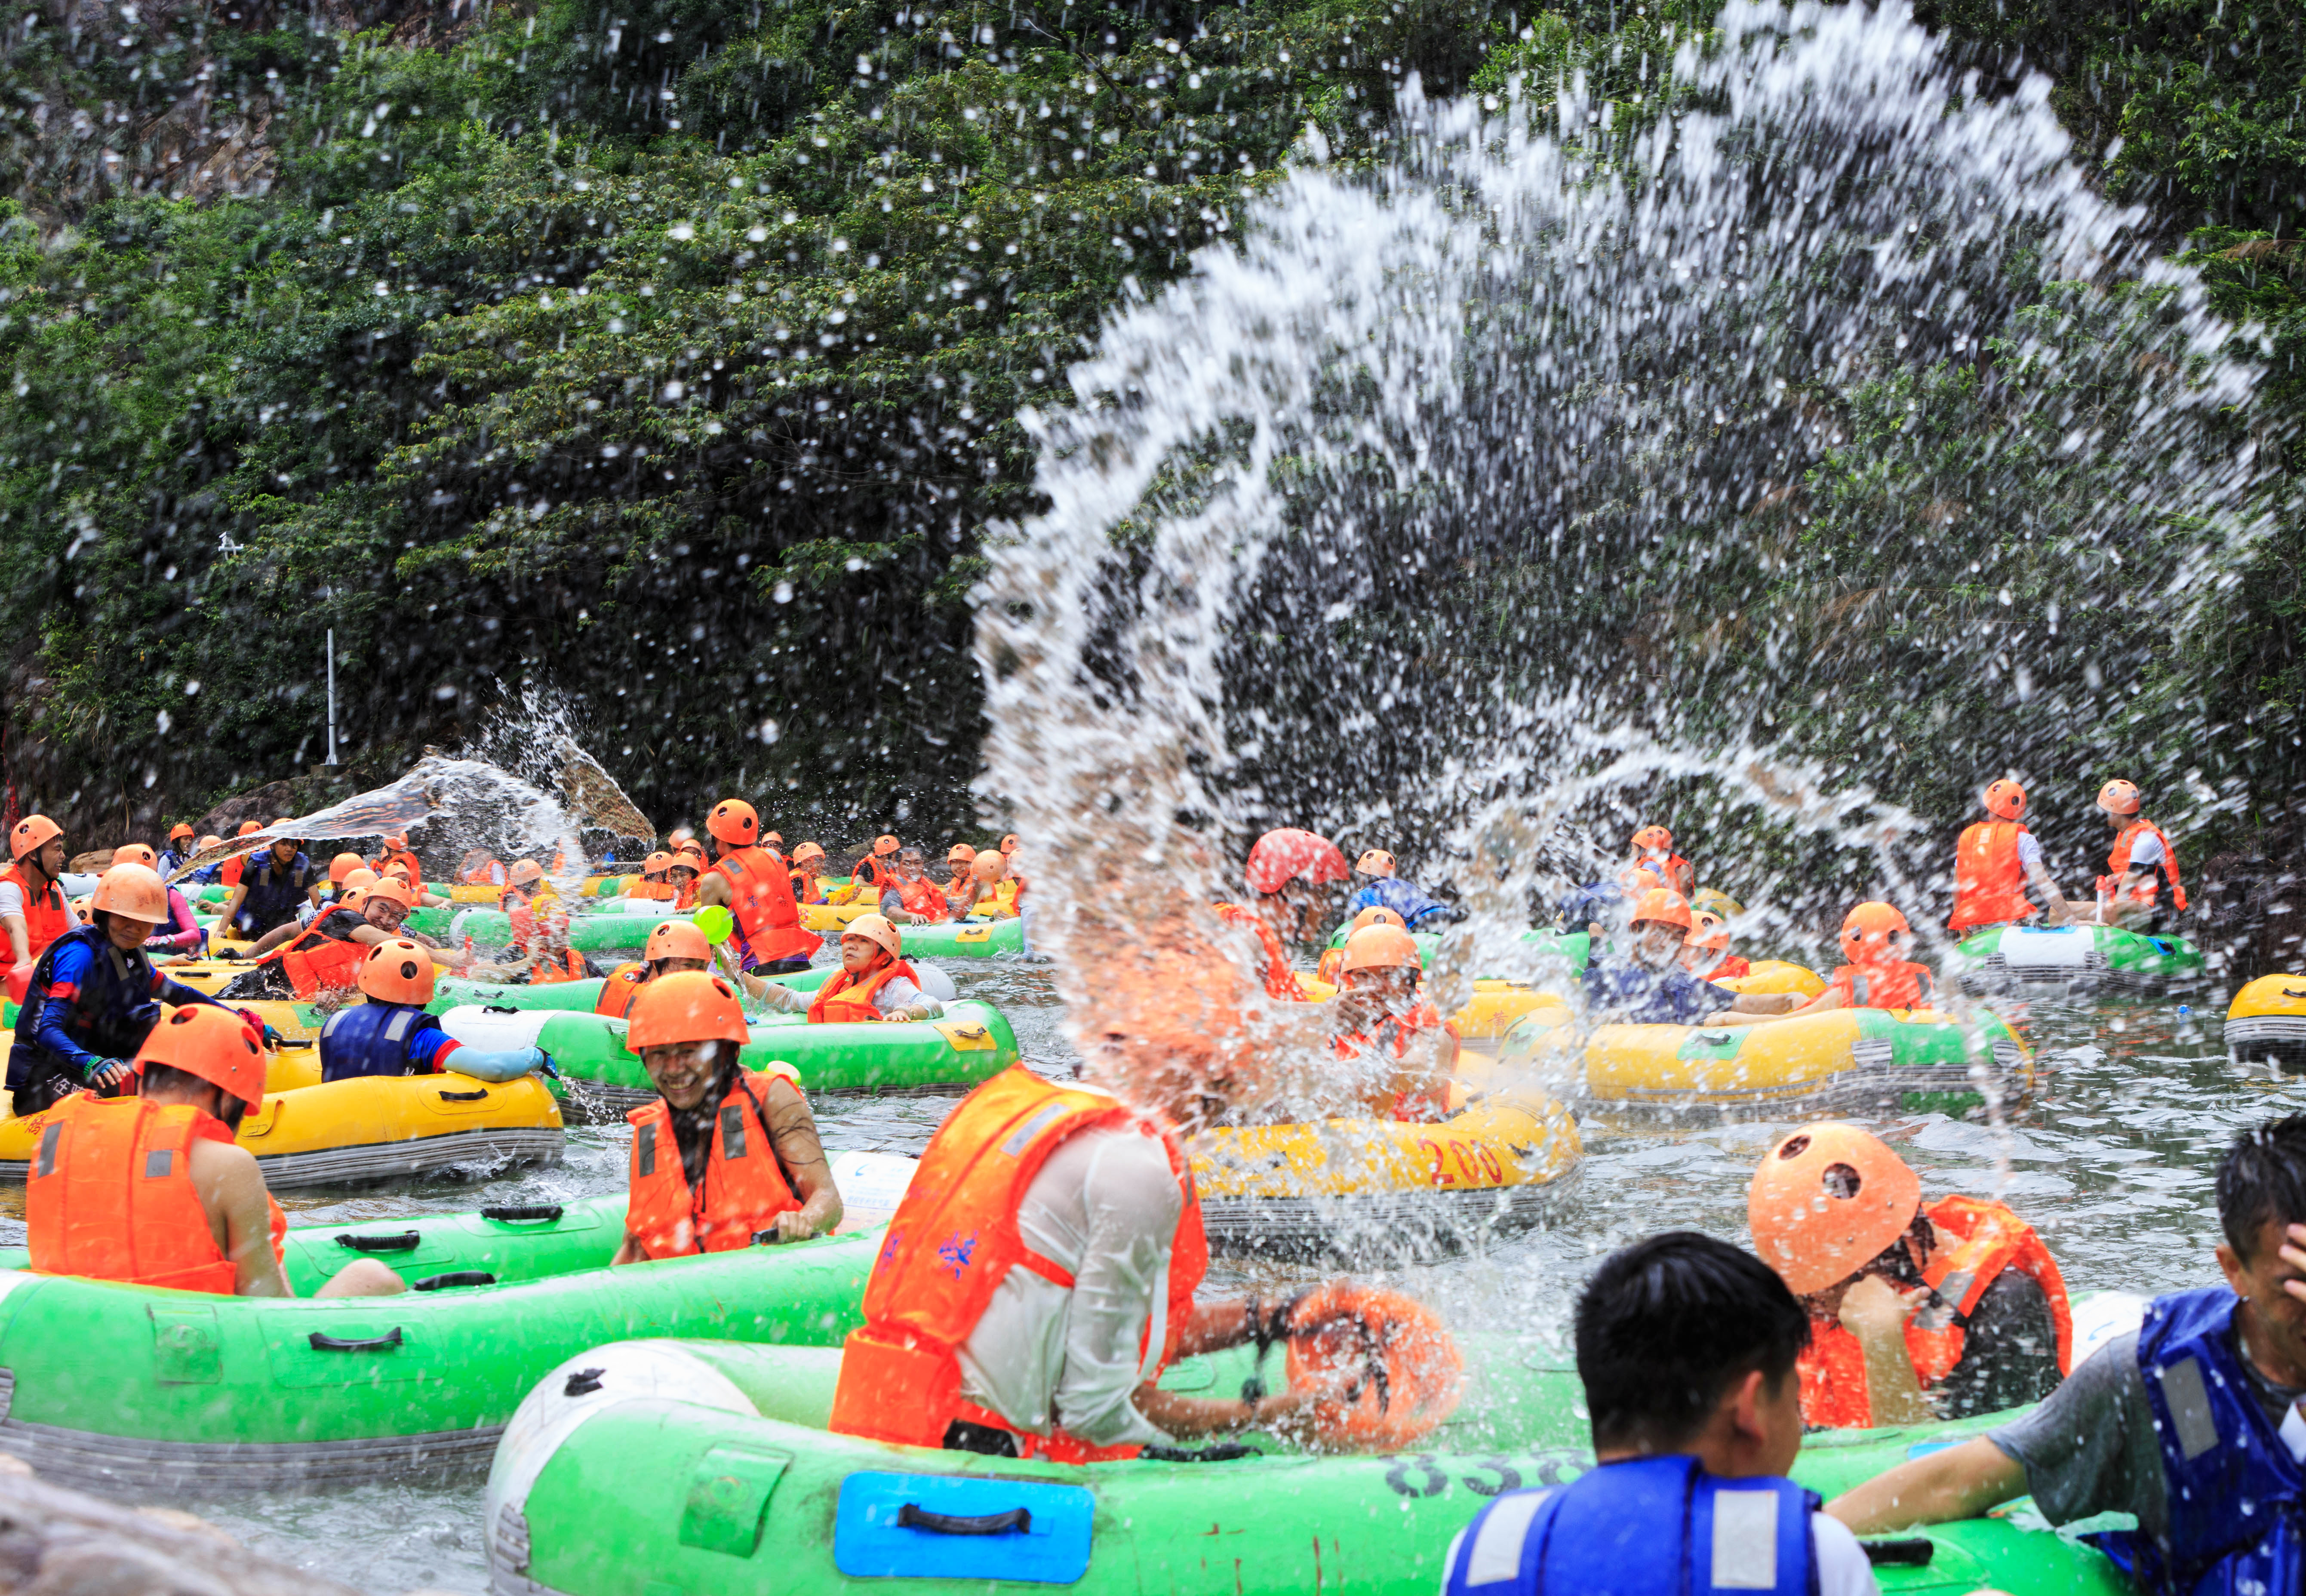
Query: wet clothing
[(182, 933), (1991, 863), (377, 1038), (1280, 980), (1419, 910), (890, 989), (1622, 992), (90, 1005), (46, 914), (728, 1181), (923, 898), (323, 957), (275, 891), (1896, 984), (2141, 845)]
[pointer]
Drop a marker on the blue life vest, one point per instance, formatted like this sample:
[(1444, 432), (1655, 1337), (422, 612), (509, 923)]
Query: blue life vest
[(113, 1012), (371, 1038), (1412, 903), (274, 890), (1649, 1526), (2236, 1493)]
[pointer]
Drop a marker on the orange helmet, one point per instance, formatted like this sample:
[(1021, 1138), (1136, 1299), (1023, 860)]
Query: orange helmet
[(393, 890), (132, 891), (1382, 947), (1287, 855), (1710, 932), (1375, 862), (960, 853), (2115, 797), (179, 830), (354, 897), (398, 972), (399, 839), (81, 912), (1868, 930), (1009, 843), (774, 838), (247, 826), (1377, 914), (1654, 836), (884, 844), (1828, 1200), (221, 1046), (806, 852), (989, 865), (136, 853), (689, 1005), (873, 929), (656, 864), (734, 822), (33, 834), (1633, 880), (358, 880), (344, 864), (2005, 799), (1664, 905), (675, 939), (524, 871)]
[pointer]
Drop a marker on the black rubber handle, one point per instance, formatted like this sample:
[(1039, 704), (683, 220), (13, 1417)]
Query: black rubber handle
[(374, 1344), (499, 1009), (464, 1096), (913, 1516), (293, 1042), (406, 1241), (454, 1277), (521, 1213), (1915, 1553), (1216, 1452)]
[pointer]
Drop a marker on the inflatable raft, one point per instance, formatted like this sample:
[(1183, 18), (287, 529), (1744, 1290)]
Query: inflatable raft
[(373, 1128), (1861, 1062), (2266, 1023), (708, 1466), (130, 1388), (2078, 956), (1773, 976), (1353, 1188), (972, 1043)]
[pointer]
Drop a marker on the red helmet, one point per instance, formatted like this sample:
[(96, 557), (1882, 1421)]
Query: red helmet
[(221, 1046), (2005, 799), (734, 822), (689, 1005), (33, 834), (2115, 797), (1866, 931), (1291, 855), (398, 971)]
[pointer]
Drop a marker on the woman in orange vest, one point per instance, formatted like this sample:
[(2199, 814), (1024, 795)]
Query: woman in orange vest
[(756, 886), (1994, 863), (875, 982), (878, 868), (910, 898), (961, 885), (681, 875), (151, 1190), (1652, 850), (808, 863), (1875, 939), (651, 885), (2141, 863), (396, 852), (1382, 1017), (724, 1156), (32, 905), (1916, 1312)]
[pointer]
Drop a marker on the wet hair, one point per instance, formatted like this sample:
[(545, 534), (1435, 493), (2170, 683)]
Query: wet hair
[(2262, 1177), (228, 1109), (1667, 1324)]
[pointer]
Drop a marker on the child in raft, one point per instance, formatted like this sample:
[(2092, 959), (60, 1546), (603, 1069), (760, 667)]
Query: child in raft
[(1686, 1348), (995, 896), (1875, 939), (875, 982), (1705, 950), (1405, 1052), (960, 886), (808, 863), (1649, 986)]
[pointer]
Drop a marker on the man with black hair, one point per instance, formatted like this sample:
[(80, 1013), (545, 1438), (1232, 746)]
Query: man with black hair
[(2191, 1425), (1686, 1348)]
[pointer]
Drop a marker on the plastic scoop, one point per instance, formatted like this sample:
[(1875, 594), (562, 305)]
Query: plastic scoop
[(716, 922)]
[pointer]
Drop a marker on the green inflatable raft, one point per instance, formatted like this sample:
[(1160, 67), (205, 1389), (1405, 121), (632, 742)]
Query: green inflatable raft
[(972, 1043), (593, 933), (580, 997), (132, 1387), (1546, 947), (706, 1468), (2088, 956)]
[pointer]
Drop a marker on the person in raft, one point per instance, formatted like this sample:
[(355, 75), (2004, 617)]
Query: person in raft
[(391, 1033), (94, 996), (273, 884), (149, 1189), (1381, 1016), (725, 1156), (325, 957), (1916, 1312), (1687, 1349), (1705, 950), (874, 981), (688, 864), (756, 886), (876, 871), (1646, 986), (1652, 850), (1875, 939), (960, 883), (421, 896), (994, 896), (2140, 890), (912, 899), (1286, 870), (32, 905), (179, 851), (1996, 862), (1419, 910), (672, 945), (180, 933), (807, 870), (2191, 1425), (1010, 847)]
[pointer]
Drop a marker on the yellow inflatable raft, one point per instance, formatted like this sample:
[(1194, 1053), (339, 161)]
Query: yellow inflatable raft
[(1415, 1190), (1773, 975), (377, 1127), (1845, 1060), (2266, 1023), (1494, 1009), (833, 916)]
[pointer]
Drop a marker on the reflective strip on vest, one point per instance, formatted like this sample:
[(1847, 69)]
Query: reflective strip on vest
[(745, 1187)]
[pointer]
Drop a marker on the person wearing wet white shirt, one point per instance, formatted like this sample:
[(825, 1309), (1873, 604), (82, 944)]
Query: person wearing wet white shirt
[(1686, 1347)]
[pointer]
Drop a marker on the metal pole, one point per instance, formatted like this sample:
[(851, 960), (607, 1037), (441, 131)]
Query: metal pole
[(332, 696)]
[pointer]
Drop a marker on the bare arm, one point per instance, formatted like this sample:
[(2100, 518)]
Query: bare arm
[(793, 1128), (1959, 1482), (230, 1189), (1876, 1313), (1823, 1002), (712, 888), (19, 938), (276, 936)]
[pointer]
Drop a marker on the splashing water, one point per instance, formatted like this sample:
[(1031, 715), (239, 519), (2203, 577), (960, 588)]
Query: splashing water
[(1725, 450)]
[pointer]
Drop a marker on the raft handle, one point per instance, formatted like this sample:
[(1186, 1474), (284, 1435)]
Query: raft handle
[(913, 1515), (499, 1009), (453, 1277), (401, 1242), (464, 1096), (373, 1344), (1913, 1553), (523, 1213), (1220, 1452), (582, 1383)]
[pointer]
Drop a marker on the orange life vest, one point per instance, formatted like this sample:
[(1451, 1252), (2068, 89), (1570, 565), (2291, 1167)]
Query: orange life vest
[(1397, 1030), (952, 1243), (1732, 966), (1976, 1240), (745, 1186), (618, 991), (1280, 980), (761, 897), (2151, 889), (567, 966), (873, 873), (46, 914), (525, 912), (656, 891), (316, 962), (1989, 882), (110, 1195), (807, 887), (1673, 871), (845, 999), (923, 898), (1903, 984), (685, 895), (488, 872), (415, 871)]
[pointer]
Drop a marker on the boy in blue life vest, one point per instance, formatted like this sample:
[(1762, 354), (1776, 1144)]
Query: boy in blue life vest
[(391, 1033), (2191, 1425), (1686, 1347)]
